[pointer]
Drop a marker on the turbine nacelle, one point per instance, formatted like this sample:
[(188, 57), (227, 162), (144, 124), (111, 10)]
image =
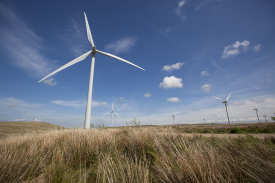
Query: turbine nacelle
[(93, 50)]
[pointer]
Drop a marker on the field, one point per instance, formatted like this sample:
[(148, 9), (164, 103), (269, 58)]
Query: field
[(15, 128), (135, 154)]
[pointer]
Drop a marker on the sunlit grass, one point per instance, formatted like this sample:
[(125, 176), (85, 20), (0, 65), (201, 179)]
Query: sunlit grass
[(135, 154)]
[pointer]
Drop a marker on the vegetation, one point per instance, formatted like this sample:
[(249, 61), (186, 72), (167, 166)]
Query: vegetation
[(251, 128), (151, 154), (13, 128), (133, 123), (273, 118)]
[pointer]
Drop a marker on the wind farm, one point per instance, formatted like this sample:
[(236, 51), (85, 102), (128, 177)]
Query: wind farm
[(202, 112)]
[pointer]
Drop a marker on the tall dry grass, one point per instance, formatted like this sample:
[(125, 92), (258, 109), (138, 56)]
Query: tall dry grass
[(134, 155)]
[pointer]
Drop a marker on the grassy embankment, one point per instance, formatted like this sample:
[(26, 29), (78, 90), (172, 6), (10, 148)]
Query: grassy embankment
[(134, 154)]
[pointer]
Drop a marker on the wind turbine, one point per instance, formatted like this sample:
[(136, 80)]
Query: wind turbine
[(82, 57), (204, 120), (112, 111), (256, 109), (265, 118), (174, 117), (225, 103)]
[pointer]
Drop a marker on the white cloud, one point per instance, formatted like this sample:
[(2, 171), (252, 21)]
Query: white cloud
[(20, 120), (234, 104), (50, 82), (172, 67), (171, 82), (147, 95), (204, 73), (257, 100), (257, 47), (13, 102), (178, 11), (76, 103), (206, 88), (22, 45), (173, 99), (103, 103), (74, 37), (122, 46), (233, 49)]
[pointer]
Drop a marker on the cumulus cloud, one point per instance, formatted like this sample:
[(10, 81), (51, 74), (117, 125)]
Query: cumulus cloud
[(147, 95), (178, 10), (173, 99), (122, 46), (50, 82), (257, 47), (206, 88), (172, 67), (235, 104), (171, 82), (233, 49), (204, 73)]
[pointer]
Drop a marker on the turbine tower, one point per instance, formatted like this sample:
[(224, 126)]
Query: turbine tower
[(82, 57), (226, 104), (256, 109), (174, 118), (112, 111), (204, 120)]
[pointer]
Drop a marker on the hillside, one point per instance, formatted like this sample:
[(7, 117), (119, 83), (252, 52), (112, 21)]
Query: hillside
[(16, 128)]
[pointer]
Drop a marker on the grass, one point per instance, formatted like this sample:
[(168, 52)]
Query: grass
[(134, 154), (15, 128), (246, 128)]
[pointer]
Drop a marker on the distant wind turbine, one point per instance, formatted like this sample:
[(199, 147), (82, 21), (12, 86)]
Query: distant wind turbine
[(112, 111), (174, 117), (82, 57), (256, 109), (226, 104), (204, 120), (265, 117)]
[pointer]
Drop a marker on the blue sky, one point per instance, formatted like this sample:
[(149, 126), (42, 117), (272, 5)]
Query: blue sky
[(190, 50)]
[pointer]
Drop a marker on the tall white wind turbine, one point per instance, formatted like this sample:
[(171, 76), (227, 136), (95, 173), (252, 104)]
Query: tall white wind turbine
[(226, 104), (82, 57), (112, 111)]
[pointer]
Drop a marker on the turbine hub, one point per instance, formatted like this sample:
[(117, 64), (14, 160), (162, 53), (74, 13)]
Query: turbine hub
[(94, 50)]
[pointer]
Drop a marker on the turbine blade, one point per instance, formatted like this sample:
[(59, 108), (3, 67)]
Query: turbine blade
[(113, 106), (113, 56), (228, 97), (89, 31), (117, 114), (218, 98), (105, 114), (78, 59)]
